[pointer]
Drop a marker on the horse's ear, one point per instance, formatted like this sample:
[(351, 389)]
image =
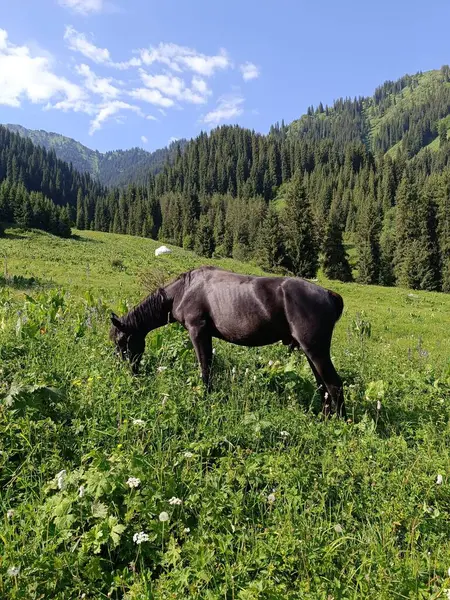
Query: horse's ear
[(117, 322)]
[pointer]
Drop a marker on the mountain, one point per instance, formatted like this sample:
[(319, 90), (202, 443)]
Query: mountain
[(409, 114), (116, 168)]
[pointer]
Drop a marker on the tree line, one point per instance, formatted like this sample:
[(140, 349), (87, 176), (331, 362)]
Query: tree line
[(285, 200)]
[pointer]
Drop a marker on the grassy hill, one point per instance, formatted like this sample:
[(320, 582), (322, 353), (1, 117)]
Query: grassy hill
[(275, 503)]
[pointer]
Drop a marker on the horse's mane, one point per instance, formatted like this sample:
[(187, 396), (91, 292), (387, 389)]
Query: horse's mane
[(148, 311)]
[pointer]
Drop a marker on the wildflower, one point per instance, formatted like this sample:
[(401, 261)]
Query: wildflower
[(13, 571), (233, 370), (81, 491), (448, 571), (271, 498), (214, 350), (439, 479), (270, 363), (188, 530), (254, 377), (60, 479), (163, 517), (133, 482), (138, 422), (10, 513), (246, 371), (284, 434), (175, 501), (338, 528), (379, 405), (140, 537), (161, 369), (188, 454)]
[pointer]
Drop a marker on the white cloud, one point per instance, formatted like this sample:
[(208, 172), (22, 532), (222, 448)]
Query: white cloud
[(23, 76), (249, 71), (83, 7), (108, 110), (151, 118), (97, 85), (227, 108), (144, 140), (151, 96), (122, 66), (170, 85), (173, 139), (179, 58), (79, 43)]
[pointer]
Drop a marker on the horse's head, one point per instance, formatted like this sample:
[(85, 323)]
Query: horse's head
[(129, 344)]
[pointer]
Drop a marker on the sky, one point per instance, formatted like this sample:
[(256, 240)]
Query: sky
[(115, 74)]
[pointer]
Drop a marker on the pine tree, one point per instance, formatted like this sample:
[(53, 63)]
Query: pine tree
[(270, 250), (387, 248), (204, 243), (335, 260), (416, 260), (300, 242), (368, 240)]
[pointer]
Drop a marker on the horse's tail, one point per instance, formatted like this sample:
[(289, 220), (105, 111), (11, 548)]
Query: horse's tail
[(338, 303)]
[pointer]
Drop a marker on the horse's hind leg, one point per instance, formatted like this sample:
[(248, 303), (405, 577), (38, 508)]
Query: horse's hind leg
[(332, 381), (320, 384)]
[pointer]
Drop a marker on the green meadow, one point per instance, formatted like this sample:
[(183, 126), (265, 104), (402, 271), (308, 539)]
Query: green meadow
[(136, 487)]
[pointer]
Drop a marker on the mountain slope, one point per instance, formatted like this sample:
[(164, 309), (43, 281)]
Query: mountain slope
[(118, 167), (409, 114)]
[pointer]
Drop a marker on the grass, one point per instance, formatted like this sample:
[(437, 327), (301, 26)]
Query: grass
[(275, 502)]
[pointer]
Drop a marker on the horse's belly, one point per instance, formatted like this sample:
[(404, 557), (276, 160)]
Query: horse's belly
[(241, 335)]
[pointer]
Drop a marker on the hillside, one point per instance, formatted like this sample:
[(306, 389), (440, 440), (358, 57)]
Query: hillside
[(115, 168), (407, 114), (149, 487)]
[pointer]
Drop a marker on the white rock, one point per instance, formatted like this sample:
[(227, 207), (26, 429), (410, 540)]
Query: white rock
[(162, 250)]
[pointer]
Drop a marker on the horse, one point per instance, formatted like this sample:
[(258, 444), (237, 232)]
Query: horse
[(244, 310)]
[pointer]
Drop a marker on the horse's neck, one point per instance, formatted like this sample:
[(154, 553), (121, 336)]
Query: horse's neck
[(149, 314)]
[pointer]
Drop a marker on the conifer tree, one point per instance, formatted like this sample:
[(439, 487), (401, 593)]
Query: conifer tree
[(300, 242), (335, 259), (204, 243)]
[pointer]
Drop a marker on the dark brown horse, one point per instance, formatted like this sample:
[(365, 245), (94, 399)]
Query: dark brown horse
[(244, 310)]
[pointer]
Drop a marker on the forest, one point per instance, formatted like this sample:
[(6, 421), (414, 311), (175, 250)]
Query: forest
[(285, 201)]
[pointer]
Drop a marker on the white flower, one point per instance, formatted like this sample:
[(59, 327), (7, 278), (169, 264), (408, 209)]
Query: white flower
[(10, 513), (174, 500), (138, 422), (187, 530), (246, 371), (188, 455), (133, 482), (284, 434), (161, 369), (81, 491), (270, 363), (338, 528), (271, 498), (254, 377), (140, 537), (214, 350), (379, 405), (13, 571), (163, 517), (233, 370), (60, 477), (439, 479)]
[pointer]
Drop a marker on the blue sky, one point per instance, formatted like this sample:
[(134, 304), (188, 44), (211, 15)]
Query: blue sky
[(117, 74)]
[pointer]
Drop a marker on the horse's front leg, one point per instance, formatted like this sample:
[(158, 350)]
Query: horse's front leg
[(202, 342)]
